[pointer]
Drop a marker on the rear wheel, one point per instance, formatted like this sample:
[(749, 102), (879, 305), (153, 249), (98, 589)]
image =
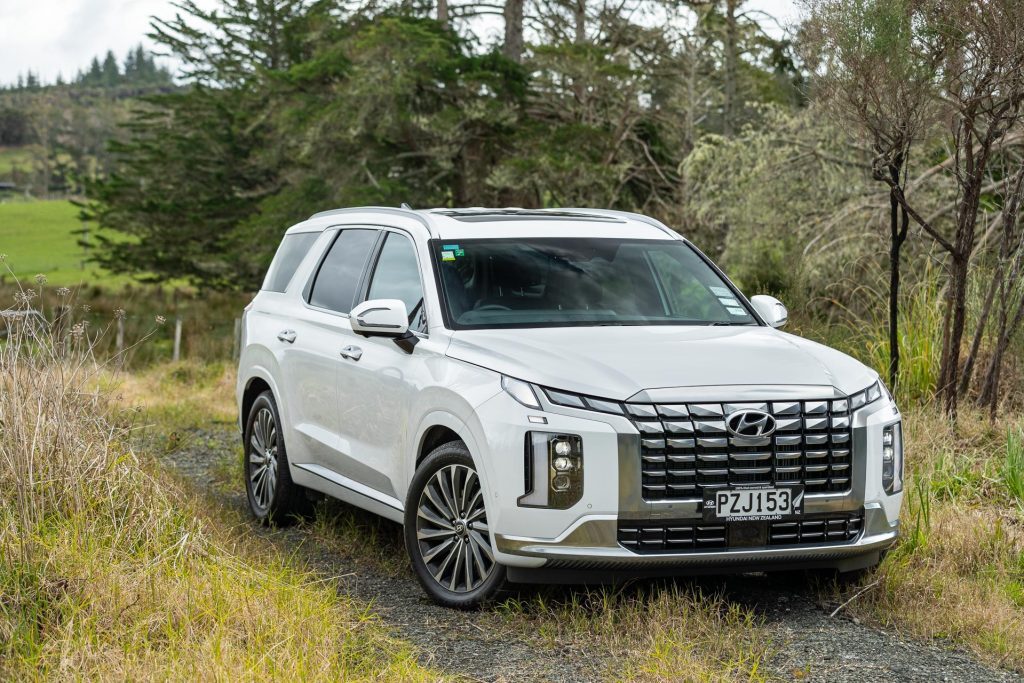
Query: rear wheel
[(273, 497), (446, 531)]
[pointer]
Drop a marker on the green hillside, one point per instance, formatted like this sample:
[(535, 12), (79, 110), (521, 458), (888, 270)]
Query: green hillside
[(40, 237)]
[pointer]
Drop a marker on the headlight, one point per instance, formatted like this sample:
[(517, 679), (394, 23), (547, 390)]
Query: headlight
[(520, 391), (868, 396), (892, 458)]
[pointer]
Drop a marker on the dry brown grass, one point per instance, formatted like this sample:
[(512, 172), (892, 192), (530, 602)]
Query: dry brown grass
[(109, 571), (958, 572), (657, 633)]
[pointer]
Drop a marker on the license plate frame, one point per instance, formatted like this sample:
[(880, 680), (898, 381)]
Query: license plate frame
[(759, 503)]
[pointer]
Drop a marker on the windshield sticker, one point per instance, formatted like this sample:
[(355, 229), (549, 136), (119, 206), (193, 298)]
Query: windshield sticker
[(460, 252), (720, 291), (736, 311), (728, 301), (450, 247), (447, 256)]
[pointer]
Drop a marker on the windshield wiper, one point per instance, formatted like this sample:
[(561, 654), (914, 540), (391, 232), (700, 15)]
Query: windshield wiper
[(728, 323)]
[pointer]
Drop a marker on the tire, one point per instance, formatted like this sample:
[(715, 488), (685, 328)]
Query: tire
[(446, 533), (273, 497)]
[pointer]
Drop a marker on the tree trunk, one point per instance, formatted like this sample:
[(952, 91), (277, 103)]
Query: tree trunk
[(579, 16), (986, 309), (957, 314), (731, 64), (990, 390), (514, 44), (897, 236), (442, 11)]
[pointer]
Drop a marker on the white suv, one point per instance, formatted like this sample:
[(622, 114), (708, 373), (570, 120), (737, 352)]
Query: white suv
[(558, 395)]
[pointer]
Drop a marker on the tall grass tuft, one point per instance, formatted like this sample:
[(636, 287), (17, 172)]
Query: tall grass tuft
[(109, 571), (1013, 467)]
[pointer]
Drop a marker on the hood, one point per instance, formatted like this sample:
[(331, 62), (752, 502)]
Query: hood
[(618, 362)]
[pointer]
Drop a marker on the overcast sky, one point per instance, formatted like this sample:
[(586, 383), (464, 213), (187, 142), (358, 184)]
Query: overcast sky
[(51, 37)]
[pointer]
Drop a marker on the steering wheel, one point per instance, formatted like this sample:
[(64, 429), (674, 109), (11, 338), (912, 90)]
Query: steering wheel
[(492, 307)]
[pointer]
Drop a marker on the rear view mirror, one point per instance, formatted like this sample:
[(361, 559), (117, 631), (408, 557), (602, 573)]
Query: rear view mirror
[(380, 318), (771, 310)]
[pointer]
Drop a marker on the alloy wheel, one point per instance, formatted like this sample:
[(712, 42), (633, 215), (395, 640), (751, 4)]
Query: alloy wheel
[(263, 458), (451, 529)]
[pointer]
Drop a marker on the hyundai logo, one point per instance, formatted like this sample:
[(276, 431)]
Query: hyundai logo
[(750, 424)]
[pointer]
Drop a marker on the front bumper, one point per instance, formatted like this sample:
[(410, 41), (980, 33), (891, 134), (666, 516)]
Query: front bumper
[(585, 536), (592, 544)]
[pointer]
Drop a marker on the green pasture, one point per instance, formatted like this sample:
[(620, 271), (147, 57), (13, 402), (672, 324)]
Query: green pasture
[(43, 237)]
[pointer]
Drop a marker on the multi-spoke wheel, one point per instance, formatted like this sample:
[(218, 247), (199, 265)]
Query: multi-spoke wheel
[(446, 530), (263, 457), (268, 485)]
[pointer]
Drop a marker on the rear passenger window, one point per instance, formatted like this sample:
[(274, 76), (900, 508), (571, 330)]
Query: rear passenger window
[(397, 276), (338, 278), (289, 255)]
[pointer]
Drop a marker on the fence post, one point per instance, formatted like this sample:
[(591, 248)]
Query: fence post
[(236, 346), (120, 337), (177, 340)]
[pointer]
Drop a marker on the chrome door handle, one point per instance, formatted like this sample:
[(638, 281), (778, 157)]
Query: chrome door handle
[(286, 336), (352, 352)]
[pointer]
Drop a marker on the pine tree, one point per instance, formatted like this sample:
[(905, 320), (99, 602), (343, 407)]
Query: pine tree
[(111, 74)]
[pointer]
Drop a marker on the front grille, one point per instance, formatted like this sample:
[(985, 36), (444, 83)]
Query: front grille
[(695, 535), (685, 449)]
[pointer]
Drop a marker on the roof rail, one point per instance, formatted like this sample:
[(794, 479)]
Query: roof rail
[(405, 212), (633, 216)]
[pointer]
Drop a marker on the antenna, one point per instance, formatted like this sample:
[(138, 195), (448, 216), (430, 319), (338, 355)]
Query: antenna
[(405, 206)]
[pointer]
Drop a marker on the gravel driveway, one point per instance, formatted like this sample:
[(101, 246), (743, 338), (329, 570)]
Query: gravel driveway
[(812, 645)]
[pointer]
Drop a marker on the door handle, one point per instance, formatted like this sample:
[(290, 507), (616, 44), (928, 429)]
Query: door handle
[(286, 336), (352, 352)]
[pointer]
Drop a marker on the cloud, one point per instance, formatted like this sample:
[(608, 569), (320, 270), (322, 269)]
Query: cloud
[(62, 36)]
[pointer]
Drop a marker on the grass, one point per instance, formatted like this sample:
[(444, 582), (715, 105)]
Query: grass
[(110, 571), (961, 551), (39, 237), (658, 633), (1013, 467)]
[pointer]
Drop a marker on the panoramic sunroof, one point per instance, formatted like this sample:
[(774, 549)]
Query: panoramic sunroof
[(487, 215)]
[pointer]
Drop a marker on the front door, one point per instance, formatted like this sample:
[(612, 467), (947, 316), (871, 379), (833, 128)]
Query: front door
[(378, 390)]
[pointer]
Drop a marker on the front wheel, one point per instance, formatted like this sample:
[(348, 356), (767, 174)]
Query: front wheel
[(446, 532)]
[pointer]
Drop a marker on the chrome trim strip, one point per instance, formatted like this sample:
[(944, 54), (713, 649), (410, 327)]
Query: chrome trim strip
[(351, 484), (737, 393), (597, 539)]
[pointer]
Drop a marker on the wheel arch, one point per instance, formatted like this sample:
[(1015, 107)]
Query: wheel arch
[(440, 427), (258, 381)]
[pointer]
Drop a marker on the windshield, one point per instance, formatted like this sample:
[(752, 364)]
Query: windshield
[(553, 282)]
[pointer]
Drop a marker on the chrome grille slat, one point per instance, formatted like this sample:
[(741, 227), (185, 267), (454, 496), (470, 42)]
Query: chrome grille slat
[(687, 449)]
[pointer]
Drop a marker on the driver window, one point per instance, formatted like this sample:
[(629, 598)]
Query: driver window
[(397, 276)]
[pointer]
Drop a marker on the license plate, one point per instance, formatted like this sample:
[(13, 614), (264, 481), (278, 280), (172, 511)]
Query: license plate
[(755, 504)]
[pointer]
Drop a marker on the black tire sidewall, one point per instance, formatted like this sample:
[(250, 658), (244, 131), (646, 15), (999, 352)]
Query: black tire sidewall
[(283, 505), (454, 453)]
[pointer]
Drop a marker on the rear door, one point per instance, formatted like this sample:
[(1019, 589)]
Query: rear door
[(317, 330)]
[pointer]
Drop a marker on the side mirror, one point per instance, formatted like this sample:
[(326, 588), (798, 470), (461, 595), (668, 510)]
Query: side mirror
[(771, 310), (380, 318)]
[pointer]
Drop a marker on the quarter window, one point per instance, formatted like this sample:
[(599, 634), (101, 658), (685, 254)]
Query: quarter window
[(289, 255), (337, 281), (397, 276)]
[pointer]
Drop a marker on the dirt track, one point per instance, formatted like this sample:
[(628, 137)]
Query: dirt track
[(479, 646)]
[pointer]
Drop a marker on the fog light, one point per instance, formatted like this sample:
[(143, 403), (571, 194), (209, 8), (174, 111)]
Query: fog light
[(892, 458), (552, 470)]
